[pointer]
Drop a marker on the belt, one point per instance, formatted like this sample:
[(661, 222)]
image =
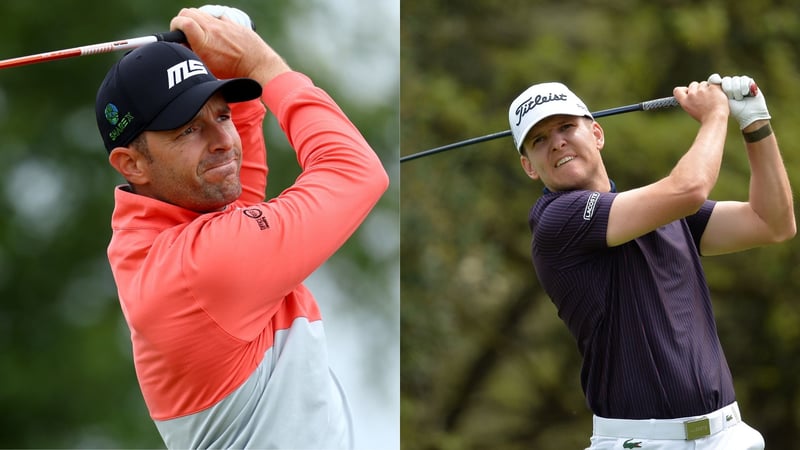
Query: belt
[(686, 428)]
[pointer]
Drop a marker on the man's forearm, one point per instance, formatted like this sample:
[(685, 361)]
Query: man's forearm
[(699, 167), (770, 191)]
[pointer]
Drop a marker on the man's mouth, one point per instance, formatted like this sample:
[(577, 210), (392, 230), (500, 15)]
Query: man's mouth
[(220, 167), (564, 160)]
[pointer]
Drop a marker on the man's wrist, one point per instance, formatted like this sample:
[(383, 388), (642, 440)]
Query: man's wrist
[(757, 134)]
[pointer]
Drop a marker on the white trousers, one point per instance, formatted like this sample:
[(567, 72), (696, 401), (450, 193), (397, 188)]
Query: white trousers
[(727, 432)]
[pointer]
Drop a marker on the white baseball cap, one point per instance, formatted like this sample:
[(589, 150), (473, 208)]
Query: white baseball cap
[(539, 102)]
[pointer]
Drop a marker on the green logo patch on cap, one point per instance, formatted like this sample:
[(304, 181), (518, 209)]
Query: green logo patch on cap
[(119, 123), (112, 114)]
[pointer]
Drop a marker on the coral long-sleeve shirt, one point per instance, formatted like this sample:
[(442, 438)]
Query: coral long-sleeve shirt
[(228, 344)]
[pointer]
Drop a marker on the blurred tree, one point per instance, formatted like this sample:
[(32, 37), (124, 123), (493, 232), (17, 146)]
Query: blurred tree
[(66, 375), (486, 363)]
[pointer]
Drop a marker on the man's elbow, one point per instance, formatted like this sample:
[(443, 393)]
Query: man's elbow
[(691, 188), (693, 195), (383, 180), (785, 232), (379, 179)]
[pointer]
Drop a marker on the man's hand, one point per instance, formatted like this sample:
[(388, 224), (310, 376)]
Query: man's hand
[(703, 101), (228, 45), (236, 15), (745, 107)]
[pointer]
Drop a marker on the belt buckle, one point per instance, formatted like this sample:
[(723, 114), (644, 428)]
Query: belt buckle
[(695, 429)]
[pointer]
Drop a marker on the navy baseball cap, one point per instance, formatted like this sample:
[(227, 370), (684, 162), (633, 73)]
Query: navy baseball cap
[(159, 86)]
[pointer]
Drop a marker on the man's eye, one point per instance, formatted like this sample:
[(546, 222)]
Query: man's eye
[(224, 117), (188, 131), (566, 126)]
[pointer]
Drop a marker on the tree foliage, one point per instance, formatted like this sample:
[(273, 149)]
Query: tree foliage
[(67, 378), (486, 363)]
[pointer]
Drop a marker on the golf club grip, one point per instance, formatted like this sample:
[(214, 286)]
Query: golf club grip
[(666, 102), (171, 36)]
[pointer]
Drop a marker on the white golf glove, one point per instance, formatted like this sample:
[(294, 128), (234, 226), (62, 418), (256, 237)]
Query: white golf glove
[(745, 108), (236, 15)]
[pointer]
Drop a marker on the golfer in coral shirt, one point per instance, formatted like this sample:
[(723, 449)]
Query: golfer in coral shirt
[(228, 343)]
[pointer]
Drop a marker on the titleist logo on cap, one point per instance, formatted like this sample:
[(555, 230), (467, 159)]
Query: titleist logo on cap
[(532, 102)]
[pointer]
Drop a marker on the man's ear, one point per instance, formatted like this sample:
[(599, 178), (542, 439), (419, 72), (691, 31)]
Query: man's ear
[(599, 135), (131, 164), (527, 166)]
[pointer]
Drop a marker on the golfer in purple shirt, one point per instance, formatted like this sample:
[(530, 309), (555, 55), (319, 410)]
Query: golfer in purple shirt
[(623, 268)]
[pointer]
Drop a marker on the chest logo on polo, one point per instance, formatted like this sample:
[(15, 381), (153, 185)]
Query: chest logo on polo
[(591, 203)]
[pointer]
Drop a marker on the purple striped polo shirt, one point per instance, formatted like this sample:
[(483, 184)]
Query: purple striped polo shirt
[(640, 312)]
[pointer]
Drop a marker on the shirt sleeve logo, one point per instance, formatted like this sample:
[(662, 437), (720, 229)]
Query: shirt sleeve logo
[(591, 203), (257, 215)]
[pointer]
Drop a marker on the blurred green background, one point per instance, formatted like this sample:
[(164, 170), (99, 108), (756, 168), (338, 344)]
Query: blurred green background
[(66, 375), (486, 363)]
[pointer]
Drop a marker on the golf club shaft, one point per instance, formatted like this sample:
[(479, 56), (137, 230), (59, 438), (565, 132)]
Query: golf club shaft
[(666, 102), (106, 47)]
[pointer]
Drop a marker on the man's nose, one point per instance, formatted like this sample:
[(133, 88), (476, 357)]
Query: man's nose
[(221, 137), (557, 141)]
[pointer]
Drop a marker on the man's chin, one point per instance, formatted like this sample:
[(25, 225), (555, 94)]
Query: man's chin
[(223, 197)]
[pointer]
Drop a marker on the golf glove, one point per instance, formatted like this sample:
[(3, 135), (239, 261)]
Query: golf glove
[(745, 108), (236, 15)]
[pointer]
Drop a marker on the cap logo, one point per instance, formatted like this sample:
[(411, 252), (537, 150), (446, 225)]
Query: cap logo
[(184, 70), (119, 124), (532, 102), (112, 114)]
